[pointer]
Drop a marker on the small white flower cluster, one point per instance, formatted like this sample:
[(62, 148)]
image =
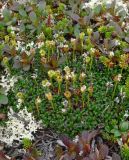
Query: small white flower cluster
[(7, 82), (126, 115), (21, 46), (20, 125), (120, 7)]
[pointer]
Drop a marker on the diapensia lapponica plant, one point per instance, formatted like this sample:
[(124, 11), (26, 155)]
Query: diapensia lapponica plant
[(72, 65)]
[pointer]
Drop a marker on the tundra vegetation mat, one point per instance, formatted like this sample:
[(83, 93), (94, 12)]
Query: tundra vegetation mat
[(64, 66)]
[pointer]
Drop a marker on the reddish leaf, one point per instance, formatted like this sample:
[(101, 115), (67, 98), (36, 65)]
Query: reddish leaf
[(72, 146), (2, 116), (75, 17), (3, 156), (86, 148), (86, 137)]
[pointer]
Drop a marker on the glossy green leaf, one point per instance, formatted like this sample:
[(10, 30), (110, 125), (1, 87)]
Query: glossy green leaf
[(23, 13), (3, 99), (124, 126), (33, 16)]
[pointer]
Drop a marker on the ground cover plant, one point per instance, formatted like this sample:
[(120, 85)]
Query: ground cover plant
[(64, 65)]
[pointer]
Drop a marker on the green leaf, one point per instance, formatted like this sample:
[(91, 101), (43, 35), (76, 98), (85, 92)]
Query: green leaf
[(97, 9), (22, 27), (23, 13), (6, 14), (124, 126), (42, 5), (3, 99), (76, 30), (117, 133), (33, 16), (1, 26)]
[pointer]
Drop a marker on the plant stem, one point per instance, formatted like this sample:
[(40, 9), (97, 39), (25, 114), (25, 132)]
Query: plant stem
[(121, 70), (113, 94), (59, 88), (48, 54), (76, 100), (83, 102), (91, 62), (69, 102), (66, 85), (52, 104), (88, 99), (37, 108)]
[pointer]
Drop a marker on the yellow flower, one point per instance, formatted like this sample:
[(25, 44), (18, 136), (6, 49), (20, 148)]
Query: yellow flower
[(49, 96), (82, 35), (67, 69), (51, 73), (87, 59), (57, 73), (73, 76), (89, 31), (42, 52), (59, 79), (5, 60), (50, 43), (67, 94), (82, 76), (13, 43), (46, 83), (6, 38), (92, 51), (117, 78), (20, 95), (38, 100), (73, 43)]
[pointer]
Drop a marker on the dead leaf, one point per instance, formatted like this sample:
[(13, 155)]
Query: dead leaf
[(103, 151), (117, 29), (115, 157), (127, 39)]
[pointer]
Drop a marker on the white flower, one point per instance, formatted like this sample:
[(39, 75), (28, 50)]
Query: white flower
[(119, 77), (67, 69), (81, 153), (117, 100), (84, 55), (76, 139), (83, 88), (83, 75), (65, 103), (40, 44), (34, 75), (92, 50), (111, 54), (109, 84), (117, 42), (63, 110), (46, 83), (126, 114)]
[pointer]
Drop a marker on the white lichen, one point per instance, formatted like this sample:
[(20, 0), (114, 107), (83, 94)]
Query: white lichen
[(121, 7), (19, 125)]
